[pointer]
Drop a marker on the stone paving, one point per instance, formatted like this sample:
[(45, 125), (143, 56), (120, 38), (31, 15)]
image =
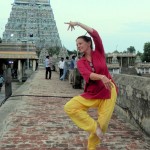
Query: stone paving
[(36, 120), (15, 85)]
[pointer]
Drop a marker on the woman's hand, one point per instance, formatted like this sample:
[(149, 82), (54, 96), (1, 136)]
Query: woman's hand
[(83, 26), (107, 82), (71, 25)]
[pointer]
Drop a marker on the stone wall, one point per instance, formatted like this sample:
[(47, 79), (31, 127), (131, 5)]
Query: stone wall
[(133, 100)]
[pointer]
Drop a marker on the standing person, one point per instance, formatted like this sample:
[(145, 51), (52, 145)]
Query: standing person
[(48, 64), (72, 65), (76, 59), (66, 68), (61, 67), (1, 82), (100, 89)]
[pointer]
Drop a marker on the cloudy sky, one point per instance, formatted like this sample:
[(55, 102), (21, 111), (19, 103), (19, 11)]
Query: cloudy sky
[(121, 23)]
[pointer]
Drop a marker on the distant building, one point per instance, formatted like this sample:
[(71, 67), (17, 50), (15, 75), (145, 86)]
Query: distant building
[(127, 63), (31, 27), (32, 21), (113, 66), (19, 57), (124, 59)]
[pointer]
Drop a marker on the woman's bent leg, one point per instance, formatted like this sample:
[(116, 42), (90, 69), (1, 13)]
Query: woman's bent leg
[(77, 108), (77, 111), (105, 110), (93, 141)]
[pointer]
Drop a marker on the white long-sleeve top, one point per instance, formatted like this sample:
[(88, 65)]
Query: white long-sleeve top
[(47, 63), (61, 64)]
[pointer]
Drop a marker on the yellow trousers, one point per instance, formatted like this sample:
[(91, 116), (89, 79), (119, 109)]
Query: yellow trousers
[(77, 108)]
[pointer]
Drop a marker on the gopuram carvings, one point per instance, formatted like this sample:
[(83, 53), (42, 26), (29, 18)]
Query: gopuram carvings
[(32, 21)]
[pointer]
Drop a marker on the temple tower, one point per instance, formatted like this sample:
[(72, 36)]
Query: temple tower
[(32, 21)]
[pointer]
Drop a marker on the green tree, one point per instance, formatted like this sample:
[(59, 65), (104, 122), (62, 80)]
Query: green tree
[(146, 54), (71, 52), (131, 49), (54, 50), (140, 55), (38, 50), (115, 51)]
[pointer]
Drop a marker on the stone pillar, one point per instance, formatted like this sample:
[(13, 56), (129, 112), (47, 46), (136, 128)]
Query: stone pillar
[(34, 65), (23, 69), (8, 79), (128, 62), (109, 60), (121, 62), (30, 63), (113, 71), (19, 71)]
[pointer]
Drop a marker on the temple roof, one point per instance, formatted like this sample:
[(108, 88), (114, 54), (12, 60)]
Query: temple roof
[(110, 66), (121, 55), (36, 1), (18, 55)]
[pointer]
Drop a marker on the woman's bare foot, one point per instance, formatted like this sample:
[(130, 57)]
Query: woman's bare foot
[(99, 133)]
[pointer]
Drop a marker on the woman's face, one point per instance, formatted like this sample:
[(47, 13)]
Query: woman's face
[(82, 45)]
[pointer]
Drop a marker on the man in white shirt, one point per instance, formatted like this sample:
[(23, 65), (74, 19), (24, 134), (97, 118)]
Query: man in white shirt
[(66, 69), (61, 66), (48, 67)]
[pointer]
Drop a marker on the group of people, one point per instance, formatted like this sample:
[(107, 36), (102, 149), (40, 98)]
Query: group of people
[(66, 67)]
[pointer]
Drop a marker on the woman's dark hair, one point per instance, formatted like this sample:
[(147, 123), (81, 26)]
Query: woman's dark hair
[(86, 39)]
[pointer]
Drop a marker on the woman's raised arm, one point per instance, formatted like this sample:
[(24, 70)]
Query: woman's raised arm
[(83, 26)]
